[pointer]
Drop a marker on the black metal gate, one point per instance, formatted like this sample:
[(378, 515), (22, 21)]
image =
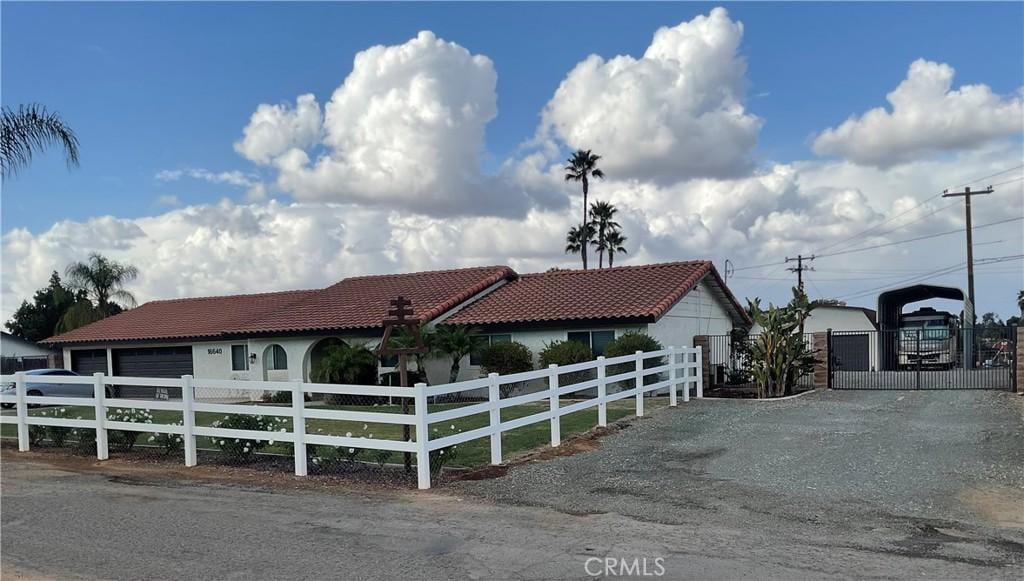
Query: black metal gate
[(922, 358)]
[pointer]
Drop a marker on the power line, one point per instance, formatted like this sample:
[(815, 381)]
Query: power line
[(919, 238), (945, 270)]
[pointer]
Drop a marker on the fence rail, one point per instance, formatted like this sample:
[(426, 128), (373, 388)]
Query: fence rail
[(672, 370)]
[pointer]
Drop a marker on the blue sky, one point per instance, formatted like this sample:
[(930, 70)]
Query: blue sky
[(166, 87), (150, 87)]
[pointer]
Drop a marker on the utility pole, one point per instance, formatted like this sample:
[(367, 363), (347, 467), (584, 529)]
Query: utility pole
[(800, 268), (729, 269), (966, 195)]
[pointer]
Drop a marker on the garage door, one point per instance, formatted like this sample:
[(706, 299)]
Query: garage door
[(851, 352), (89, 361), (153, 362)]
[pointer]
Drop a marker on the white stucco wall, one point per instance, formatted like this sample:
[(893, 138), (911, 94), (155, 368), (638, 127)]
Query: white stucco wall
[(698, 313)]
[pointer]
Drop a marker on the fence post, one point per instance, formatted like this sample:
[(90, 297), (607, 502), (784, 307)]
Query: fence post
[(687, 379), (639, 383), (19, 382), (556, 422), (299, 428), (602, 393), (700, 372), (188, 419), (494, 396), (99, 395), (422, 438), (672, 401)]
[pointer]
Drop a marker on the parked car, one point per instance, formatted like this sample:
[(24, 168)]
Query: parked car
[(49, 389)]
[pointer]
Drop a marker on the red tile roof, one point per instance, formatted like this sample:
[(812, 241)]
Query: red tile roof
[(626, 292), (361, 302), (182, 318), (353, 303)]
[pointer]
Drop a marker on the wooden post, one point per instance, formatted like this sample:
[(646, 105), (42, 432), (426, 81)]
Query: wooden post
[(299, 428), (556, 422), (639, 383), (602, 392), (20, 389), (188, 419), (494, 396), (102, 443)]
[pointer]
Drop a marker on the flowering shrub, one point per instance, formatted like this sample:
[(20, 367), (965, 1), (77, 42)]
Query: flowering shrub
[(124, 440), (57, 434), (241, 448), (442, 456), (171, 443)]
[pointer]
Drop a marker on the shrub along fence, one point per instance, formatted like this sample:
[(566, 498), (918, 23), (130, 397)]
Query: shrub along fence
[(246, 425)]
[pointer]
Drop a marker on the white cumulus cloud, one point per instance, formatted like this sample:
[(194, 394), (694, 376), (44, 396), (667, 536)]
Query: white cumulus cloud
[(274, 129), (927, 116), (675, 113)]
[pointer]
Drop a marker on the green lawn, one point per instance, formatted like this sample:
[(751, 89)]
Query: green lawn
[(473, 453)]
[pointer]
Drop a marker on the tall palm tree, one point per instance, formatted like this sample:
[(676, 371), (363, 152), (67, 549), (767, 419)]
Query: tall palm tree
[(102, 281), (456, 342), (578, 238), (614, 242), (581, 167), (28, 130), (602, 217), (1020, 302)]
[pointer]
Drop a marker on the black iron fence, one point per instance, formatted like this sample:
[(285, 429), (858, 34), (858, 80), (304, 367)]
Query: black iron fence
[(924, 358), (9, 365), (729, 358)]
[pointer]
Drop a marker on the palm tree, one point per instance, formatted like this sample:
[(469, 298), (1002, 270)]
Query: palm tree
[(101, 281), (347, 364), (577, 239), (602, 218), (1020, 302), (456, 342), (614, 242), (28, 130), (581, 167)]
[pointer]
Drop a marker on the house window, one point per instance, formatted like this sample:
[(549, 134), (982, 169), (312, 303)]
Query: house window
[(274, 359), (239, 358), (389, 361), (596, 340), (488, 340)]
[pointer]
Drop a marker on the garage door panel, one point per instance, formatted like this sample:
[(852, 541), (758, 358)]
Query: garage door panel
[(89, 361), (170, 362)]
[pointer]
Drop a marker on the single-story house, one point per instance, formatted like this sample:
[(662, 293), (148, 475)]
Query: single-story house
[(671, 302), (276, 336)]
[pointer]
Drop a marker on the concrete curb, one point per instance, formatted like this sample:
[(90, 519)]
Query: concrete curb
[(817, 389)]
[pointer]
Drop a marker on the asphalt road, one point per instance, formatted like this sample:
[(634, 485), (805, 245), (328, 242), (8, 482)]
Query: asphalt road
[(831, 485)]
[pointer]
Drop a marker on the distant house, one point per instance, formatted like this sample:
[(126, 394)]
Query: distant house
[(279, 336), (17, 354), (853, 334)]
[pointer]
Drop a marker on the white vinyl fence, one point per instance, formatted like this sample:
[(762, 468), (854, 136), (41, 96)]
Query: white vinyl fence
[(680, 368)]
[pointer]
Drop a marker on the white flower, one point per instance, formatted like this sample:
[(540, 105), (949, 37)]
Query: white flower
[(351, 450), (222, 442), (62, 410), (453, 426), (151, 438), (271, 442), (371, 435), (348, 434), (442, 452), (364, 426)]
